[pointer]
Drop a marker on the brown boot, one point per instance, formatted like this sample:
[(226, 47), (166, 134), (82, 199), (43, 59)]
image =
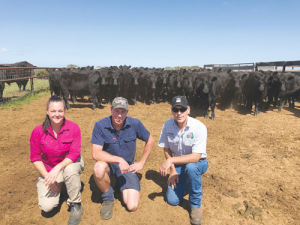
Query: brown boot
[(196, 216)]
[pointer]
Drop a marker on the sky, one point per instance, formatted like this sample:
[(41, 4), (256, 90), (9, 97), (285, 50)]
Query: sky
[(148, 33)]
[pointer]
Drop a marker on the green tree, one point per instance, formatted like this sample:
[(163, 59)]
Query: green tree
[(195, 67), (41, 72), (72, 66)]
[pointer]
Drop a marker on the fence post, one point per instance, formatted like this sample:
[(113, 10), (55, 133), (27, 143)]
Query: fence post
[(31, 80)]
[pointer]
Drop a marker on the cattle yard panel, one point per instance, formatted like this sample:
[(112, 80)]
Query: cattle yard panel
[(236, 66), (21, 75)]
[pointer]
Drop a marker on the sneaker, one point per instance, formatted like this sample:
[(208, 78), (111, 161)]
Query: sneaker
[(76, 213), (106, 211), (196, 216)]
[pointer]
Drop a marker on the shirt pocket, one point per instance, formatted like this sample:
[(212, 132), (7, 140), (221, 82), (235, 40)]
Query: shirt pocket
[(172, 139), (64, 147), (130, 142), (110, 146)]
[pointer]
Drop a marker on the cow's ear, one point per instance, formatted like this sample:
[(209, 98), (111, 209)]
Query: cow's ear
[(229, 70)]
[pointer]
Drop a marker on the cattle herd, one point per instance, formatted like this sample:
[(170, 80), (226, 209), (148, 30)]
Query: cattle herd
[(203, 88)]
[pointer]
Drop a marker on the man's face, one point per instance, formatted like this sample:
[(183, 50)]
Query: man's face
[(118, 116), (180, 117)]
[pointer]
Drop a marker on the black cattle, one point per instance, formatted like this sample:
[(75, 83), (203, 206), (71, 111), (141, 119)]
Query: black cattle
[(289, 90), (188, 80), (113, 83), (173, 84), (161, 85), (255, 90), (276, 86), (147, 85), (2, 84), (54, 81), (128, 84), (211, 91), (23, 73), (231, 90), (81, 83)]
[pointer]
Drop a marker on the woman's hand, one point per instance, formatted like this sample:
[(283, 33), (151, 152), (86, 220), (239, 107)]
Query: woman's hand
[(52, 175)]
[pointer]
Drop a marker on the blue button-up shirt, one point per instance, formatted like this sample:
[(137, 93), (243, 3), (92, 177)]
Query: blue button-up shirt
[(122, 143)]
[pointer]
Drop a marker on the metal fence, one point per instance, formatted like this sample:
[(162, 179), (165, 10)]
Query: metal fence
[(20, 75)]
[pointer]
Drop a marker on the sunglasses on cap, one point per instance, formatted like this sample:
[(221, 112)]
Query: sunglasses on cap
[(176, 110)]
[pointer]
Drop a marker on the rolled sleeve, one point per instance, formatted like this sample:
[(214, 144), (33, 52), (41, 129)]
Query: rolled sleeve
[(97, 137), (142, 132), (35, 145), (163, 139), (75, 147)]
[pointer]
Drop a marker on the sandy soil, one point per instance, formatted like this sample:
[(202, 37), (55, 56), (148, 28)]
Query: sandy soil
[(254, 168)]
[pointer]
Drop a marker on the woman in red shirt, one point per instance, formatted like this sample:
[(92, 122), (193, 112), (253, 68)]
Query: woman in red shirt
[(55, 152)]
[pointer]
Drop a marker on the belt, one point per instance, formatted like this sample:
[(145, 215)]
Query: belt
[(202, 159)]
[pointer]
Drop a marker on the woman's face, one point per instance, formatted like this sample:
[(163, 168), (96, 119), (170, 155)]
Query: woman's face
[(56, 112)]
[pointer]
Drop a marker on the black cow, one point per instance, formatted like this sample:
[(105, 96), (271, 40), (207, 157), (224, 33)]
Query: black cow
[(54, 81), (81, 83), (23, 73), (113, 83), (255, 90), (173, 84), (147, 85), (211, 91), (276, 86), (290, 87), (232, 89), (128, 83), (2, 84), (188, 80)]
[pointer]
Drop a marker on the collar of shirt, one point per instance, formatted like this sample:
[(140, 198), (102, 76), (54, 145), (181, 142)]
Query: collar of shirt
[(109, 125)]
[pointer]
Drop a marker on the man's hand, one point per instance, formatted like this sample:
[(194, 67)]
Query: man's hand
[(54, 188), (135, 167), (52, 175), (124, 166), (173, 179), (163, 170)]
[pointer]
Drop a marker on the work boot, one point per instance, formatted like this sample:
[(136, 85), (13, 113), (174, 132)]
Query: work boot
[(196, 216), (106, 211), (76, 213)]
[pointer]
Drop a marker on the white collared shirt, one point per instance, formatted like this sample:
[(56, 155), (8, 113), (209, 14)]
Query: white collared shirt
[(191, 140)]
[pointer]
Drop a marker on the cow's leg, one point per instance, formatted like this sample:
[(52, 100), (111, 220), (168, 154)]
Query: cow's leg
[(256, 110), (213, 116), (281, 101), (65, 97)]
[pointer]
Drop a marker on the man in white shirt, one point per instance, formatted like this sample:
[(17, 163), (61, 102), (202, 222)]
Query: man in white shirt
[(184, 141)]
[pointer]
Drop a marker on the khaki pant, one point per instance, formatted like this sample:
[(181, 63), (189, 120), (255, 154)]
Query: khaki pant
[(70, 175)]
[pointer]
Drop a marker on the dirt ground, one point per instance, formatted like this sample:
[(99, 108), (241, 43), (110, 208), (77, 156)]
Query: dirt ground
[(253, 175)]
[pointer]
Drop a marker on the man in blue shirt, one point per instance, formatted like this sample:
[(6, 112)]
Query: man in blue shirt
[(114, 147)]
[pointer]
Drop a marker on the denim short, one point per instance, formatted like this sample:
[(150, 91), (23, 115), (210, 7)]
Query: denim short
[(125, 181)]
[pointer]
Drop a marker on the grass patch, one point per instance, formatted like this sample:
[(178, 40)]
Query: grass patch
[(25, 99), (13, 88), (17, 99)]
